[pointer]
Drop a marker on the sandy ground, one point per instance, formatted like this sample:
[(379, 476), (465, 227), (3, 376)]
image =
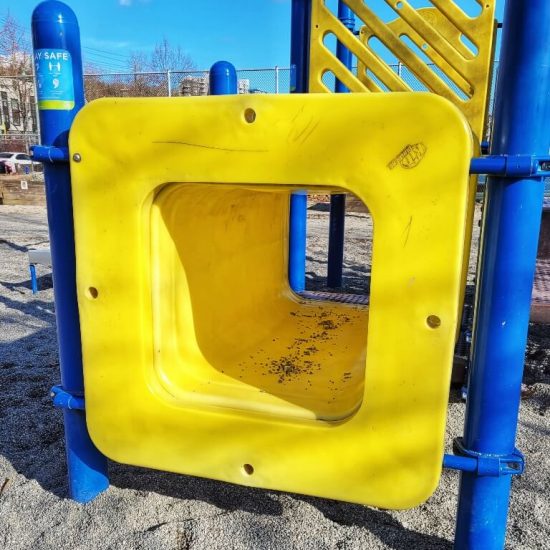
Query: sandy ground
[(149, 509)]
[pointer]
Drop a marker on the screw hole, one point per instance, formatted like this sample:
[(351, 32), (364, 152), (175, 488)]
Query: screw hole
[(92, 292), (250, 115), (433, 321), (248, 469), (424, 46), (399, 5)]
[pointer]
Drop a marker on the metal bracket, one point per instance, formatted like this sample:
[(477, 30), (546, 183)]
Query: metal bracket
[(52, 155), (491, 465), (64, 400), (512, 166)]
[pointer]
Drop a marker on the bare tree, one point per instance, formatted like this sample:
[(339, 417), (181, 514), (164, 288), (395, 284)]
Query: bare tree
[(139, 63), (14, 48), (165, 57), (148, 74), (16, 62), (162, 59)]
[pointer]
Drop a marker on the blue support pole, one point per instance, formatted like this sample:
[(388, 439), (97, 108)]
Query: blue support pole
[(299, 60), (34, 281), (338, 202), (223, 78), (60, 92), (509, 247)]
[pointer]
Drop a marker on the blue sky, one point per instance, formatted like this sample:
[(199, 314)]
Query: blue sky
[(249, 33)]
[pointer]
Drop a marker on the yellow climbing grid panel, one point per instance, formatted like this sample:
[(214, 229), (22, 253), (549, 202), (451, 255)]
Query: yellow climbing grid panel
[(441, 47)]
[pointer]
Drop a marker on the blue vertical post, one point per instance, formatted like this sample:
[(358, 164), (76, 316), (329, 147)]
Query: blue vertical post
[(299, 61), (223, 78), (34, 280), (60, 93), (338, 202), (510, 237)]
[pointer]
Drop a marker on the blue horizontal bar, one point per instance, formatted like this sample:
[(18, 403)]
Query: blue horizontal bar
[(513, 166), (45, 153), (462, 463), (485, 465), (65, 400)]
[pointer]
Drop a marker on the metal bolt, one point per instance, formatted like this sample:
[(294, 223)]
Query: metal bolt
[(77, 157)]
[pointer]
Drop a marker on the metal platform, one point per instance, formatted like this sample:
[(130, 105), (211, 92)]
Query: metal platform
[(341, 297)]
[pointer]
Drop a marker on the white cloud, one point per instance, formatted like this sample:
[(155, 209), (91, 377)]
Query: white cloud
[(131, 2)]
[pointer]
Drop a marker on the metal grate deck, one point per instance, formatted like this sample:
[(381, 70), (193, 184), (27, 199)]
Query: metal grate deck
[(359, 299), (540, 306)]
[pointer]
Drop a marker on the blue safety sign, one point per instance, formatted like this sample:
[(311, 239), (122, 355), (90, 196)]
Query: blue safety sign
[(54, 76)]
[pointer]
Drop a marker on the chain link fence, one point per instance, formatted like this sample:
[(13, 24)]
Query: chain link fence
[(18, 142), (19, 119), (18, 109), (182, 83)]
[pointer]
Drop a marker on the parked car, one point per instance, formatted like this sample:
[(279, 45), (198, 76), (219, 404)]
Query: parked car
[(12, 163)]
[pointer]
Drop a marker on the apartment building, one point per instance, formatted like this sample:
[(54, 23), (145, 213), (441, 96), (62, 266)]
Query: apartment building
[(17, 105)]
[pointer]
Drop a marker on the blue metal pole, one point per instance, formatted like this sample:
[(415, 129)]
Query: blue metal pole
[(338, 202), (60, 92), (509, 245), (223, 78), (34, 281), (299, 60)]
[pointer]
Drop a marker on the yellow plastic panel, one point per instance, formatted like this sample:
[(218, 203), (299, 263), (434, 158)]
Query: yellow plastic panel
[(199, 359), (439, 33)]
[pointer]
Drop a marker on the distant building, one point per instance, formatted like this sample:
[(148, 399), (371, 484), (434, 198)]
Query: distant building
[(17, 105), (199, 85), (17, 95), (194, 85), (244, 86)]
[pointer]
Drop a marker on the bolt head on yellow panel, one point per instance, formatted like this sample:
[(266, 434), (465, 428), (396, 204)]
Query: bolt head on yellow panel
[(199, 358)]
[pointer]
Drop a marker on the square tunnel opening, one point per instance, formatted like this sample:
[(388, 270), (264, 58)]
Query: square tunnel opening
[(357, 256), (228, 330)]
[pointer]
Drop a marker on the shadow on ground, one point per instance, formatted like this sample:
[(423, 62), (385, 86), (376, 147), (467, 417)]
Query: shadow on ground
[(379, 522), (355, 278)]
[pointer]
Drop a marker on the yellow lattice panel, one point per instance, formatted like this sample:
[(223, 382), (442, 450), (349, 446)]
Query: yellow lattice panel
[(440, 34)]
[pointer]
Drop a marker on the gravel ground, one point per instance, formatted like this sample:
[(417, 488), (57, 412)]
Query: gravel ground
[(149, 509)]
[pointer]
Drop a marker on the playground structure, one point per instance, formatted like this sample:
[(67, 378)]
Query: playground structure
[(186, 346)]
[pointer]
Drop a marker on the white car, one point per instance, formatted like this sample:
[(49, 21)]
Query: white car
[(11, 163)]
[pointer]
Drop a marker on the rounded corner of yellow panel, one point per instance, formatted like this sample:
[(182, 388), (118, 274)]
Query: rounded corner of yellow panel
[(425, 485), (423, 493), (90, 109), (455, 114), (98, 436)]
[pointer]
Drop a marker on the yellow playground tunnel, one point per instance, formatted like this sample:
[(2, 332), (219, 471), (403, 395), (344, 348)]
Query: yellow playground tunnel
[(186, 310)]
